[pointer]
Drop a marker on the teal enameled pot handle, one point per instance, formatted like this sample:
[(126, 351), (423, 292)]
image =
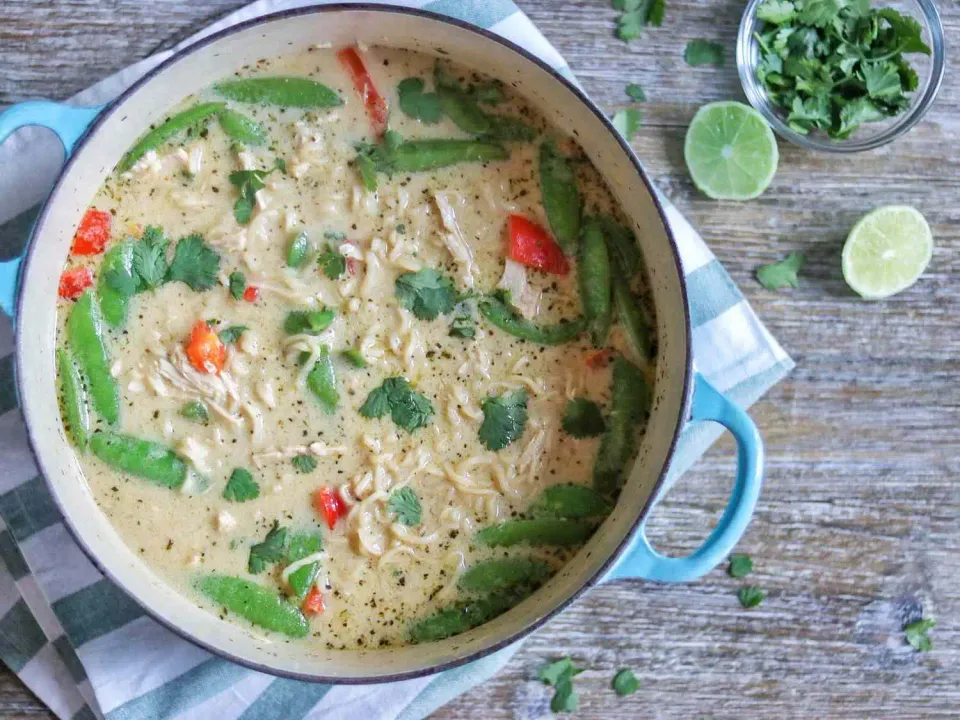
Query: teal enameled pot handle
[(642, 561), (69, 123)]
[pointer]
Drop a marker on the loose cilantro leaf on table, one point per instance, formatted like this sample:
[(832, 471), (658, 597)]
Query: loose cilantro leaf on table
[(504, 418), (408, 408), (637, 14), (779, 275), (627, 122), (418, 104), (740, 566), (241, 486), (916, 634), (194, 263), (560, 675), (625, 682), (238, 283), (750, 596), (405, 505), (334, 264), (231, 334), (704, 52), (304, 463), (426, 293), (272, 549), (583, 419), (635, 92)]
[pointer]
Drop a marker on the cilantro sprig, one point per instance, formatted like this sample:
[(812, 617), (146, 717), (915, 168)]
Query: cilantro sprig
[(504, 418), (560, 676), (783, 274), (408, 408), (272, 549), (426, 293), (405, 507), (248, 182), (241, 487)]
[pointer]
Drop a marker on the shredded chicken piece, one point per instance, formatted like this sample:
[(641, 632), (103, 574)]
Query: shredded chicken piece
[(522, 296), (225, 522), (447, 202), (196, 452)]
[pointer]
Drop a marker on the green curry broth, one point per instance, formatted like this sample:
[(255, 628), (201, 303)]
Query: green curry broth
[(374, 581)]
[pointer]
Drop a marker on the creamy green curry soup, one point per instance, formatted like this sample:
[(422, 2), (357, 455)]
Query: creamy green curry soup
[(354, 348)]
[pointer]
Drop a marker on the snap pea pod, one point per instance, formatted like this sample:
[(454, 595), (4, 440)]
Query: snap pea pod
[(309, 322), (322, 381), (506, 128), (622, 245), (167, 129), (298, 251), (593, 273), (117, 283), (631, 401), (462, 616), (503, 317), (241, 128), (503, 573), (420, 155), (258, 604), (632, 320), (561, 197), (85, 340), (463, 111), (283, 91), (571, 502), (73, 395), (540, 531), (302, 546), (143, 458)]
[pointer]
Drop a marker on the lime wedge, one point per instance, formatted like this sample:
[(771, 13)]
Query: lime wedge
[(887, 251), (730, 150)]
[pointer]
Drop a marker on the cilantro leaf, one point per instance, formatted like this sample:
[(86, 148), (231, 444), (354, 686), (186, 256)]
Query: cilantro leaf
[(635, 92), (426, 293), (405, 505), (272, 549), (241, 486), (630, 25), (195, 410), (750, 596), (916, 634), (855, 112), (304, 463), (231, 334), (627, 122), (908, 31), (333, 263), (556, 671), (150, 258), (625, 682), (377, 403), (238, 283), (655, 12), (308, 322), (248, 182), (194, 263), (504, 418), (415, 103), (819, 13), (565, 698), (779, 275), (560, 675), (883, 80), (776, 12), (335, 235), (408, 408), (583, 419), (703, 52), (463, 326), (740, 566)]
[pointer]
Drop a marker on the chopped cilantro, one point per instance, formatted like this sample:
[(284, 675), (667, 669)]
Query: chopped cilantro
[(583, 419), (415, 103), (401, 229), (304, 463), (625, 682), (272, 549), (635, 92), (703, 52), (241, 486), (194, 263), (740, 566), (916, 634), (504, 418), (405, 505), (627, 122), (308, 322), (248, 182), (333, 263), (231, 334), (408, 408), (195, 410), (238, 283), (751, 596), (335, 235), (463, 326), (779, 275), (426, 293)]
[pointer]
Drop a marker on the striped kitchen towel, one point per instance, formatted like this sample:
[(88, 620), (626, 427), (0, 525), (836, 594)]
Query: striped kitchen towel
[(89, 651)]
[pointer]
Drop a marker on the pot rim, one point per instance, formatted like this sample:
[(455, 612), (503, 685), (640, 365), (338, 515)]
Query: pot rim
[(686, 385)]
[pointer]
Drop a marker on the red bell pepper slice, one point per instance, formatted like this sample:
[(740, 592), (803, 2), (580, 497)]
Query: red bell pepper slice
[(92, 235), (205, 351), (327, 502), (73, 282), (313, 603), (375, 104), (531, 245), (251, 293)]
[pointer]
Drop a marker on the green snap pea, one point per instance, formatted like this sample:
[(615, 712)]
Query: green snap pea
[(85, 340), (463, 111), (73, 395), (166, 130), (302, 546), (354, 357), (322, 381), (503, 573), (506, 128), (561, 197), (258, 604), (283, 91), (117, 283), (571, 502), (310, 322), (143, 458), (593, 273), (630, 403), (632, 320), (420, 155), (241, 128), (622, 245), (540, 531), (503, 317), (298, 251), (462, 616)]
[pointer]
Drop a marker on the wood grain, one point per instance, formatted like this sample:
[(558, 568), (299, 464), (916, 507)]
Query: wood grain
[(858, 526)]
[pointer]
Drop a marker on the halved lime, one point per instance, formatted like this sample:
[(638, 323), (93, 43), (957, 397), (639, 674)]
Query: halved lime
[(730, 150), (887, 251)]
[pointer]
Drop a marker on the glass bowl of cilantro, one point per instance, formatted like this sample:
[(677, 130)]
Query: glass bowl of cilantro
[(841, 76)]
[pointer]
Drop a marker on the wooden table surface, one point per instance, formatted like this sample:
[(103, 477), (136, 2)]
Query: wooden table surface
[(858, 525)]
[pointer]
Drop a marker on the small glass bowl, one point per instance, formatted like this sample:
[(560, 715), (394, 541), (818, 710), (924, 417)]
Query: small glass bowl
[(869, 135)]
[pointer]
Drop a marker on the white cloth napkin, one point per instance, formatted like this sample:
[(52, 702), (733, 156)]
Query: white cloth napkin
[(88, 651)]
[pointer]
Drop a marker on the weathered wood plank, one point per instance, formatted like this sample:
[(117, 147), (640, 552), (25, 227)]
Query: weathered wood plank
[(859, 522)]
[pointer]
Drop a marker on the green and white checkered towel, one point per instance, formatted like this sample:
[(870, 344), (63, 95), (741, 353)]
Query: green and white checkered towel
[(89, 651)]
